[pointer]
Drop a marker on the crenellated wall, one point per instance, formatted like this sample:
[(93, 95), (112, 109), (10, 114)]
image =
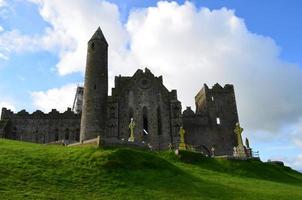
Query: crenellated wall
[(155, 109), (41, 127), (142, 96), (213, 123)]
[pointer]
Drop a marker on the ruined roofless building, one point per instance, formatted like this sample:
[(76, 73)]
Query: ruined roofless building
[(157, 111)]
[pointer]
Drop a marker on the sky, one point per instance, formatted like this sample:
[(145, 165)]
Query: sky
[(254, 45)]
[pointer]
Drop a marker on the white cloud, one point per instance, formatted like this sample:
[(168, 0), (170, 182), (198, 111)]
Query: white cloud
[(2, 3), (14, 41), (3, 57), (73, 23), (294, 162), (298, 141), (188, 45), (58, 98), (297, 164), (295, 133), (8, 105)]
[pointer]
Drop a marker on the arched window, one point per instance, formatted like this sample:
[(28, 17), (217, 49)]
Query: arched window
[(56, 134), (77, 135), (176, 129), (218, 122), (37, 135), (44, 138), (159, 123), (66, 134), (111, 131), (130, 114), (145, 119), (14, 133), (112, 112)]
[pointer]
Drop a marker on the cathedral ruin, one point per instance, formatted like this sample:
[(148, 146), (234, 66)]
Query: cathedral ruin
[(156, 110)]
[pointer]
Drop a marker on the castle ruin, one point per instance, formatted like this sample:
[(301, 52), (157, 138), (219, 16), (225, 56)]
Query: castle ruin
[(156, 111)]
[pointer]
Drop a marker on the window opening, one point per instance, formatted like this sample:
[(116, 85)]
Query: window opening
[(218, 121), (159, 124), (145, 121)]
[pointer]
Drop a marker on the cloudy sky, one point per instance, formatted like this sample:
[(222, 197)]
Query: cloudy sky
[(256, 46)]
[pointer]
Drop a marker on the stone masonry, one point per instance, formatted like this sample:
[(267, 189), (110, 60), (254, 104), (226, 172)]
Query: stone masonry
[(156, 111)]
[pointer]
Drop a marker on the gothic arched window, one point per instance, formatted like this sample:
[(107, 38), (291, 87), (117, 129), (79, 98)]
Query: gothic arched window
[(56, 134), (130, 114), (77, 135), (66, 134), (145, 119), (159, 123)]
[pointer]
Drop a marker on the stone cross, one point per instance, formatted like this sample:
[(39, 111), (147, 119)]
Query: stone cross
[(238, 131), (131, 127), (182, 144), (170, 146), (240, 148), (235, 152), (213, 151)]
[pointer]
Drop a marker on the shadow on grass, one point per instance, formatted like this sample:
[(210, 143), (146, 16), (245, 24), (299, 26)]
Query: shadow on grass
[(147, 171), (243, 168)]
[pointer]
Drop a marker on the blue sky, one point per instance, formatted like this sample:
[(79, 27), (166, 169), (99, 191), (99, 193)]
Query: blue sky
[(34, 68), (279, 19)]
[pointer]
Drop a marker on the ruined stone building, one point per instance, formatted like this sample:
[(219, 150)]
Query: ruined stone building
[(156, 111)]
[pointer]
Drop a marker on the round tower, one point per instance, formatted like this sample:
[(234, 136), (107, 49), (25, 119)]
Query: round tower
[(93, 120)]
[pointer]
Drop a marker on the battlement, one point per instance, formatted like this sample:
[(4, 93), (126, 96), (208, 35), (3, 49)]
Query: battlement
[(188, 112), (218, 103), (217, 88), (173, 95), (208, 96), (53, 114)]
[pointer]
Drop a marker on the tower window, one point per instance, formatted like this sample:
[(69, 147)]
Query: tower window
[(92, 45), (145, 119), (94, 87), (56, 134), (159, 125), (77, 135), (130, 113), (36, 136), (218, 121), (67, 134)]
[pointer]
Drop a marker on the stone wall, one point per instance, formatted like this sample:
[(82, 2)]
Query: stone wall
[(154, 108), (213, 123), (143, 97), (40, 127)]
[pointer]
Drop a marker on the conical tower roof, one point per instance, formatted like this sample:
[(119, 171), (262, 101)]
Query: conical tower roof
[(98, 35)]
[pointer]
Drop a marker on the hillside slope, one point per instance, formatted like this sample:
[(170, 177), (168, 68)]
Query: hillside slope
[(32, 171)]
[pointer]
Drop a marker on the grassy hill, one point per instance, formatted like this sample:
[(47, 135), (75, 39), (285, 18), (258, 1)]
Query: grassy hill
[(32, 171)]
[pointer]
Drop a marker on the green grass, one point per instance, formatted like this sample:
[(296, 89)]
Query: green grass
[(32, 171)]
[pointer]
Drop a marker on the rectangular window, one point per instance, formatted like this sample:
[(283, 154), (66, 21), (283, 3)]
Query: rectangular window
[(218, 120), (212, 98)]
